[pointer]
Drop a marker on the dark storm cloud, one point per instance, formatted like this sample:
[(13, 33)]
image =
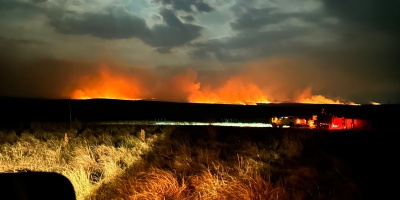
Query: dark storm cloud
[(203, 7), (188, 18), (38, 1), (251, 46), (186, 5), (174, 33), (19, 9), (255, 18), (357, 19), (250, 37), (119, 25), (366, 15), (114, 25), (358, 22)]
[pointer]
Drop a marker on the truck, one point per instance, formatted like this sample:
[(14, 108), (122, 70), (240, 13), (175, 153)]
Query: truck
[(288, 122)]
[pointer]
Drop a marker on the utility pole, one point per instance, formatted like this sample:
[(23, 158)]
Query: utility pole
[(70, 111)]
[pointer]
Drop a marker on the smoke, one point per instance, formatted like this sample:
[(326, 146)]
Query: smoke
[(43, 78)]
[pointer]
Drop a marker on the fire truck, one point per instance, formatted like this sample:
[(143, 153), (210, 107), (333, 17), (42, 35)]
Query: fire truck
[(322, 120), (326, 120)]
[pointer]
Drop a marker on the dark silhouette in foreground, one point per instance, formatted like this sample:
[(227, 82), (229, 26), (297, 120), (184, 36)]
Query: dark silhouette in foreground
[(35, 186)]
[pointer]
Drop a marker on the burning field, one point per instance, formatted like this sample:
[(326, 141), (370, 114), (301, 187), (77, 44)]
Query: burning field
[(187, 86)]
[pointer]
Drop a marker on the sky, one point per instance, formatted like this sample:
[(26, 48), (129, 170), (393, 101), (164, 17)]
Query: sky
[(202, 50)]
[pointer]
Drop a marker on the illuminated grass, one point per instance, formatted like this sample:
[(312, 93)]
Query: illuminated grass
[(88, 161), (164, 162)]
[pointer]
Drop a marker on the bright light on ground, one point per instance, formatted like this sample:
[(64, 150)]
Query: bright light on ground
[(172, 123), (215, 124)]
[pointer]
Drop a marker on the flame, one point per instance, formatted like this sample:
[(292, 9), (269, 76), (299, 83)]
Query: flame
[(106, 84), (233, 91), (375, 103), (307, 97), (318, 99)]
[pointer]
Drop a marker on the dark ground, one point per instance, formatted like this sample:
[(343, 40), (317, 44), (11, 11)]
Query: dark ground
[(349, 164), (19, 110)]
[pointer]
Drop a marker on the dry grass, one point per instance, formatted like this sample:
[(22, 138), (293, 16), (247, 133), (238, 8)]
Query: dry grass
[(156, 183), (88, 161), (160, 163), (185, 166)]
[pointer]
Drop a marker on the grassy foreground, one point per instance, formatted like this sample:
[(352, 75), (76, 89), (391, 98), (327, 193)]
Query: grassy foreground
[(150, 162)]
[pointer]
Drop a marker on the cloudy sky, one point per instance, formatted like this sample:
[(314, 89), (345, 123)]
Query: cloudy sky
[(180, 50)]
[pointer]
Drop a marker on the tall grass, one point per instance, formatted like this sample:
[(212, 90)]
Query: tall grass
[(190, 165), (88, 159), (115, 162)]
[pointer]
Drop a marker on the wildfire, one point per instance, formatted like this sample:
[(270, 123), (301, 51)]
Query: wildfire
[(307, 97), (105, 83), (234, 91), (318, 99), (375, 103)]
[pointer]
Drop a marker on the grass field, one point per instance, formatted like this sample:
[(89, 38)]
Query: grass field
[(205, 162)]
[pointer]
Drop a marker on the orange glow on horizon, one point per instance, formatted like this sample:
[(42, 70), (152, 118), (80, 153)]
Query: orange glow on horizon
[(307, 97), (108, 84), (233, 91)]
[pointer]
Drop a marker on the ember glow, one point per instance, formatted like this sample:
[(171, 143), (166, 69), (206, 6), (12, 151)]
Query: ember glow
[(183, 87)]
